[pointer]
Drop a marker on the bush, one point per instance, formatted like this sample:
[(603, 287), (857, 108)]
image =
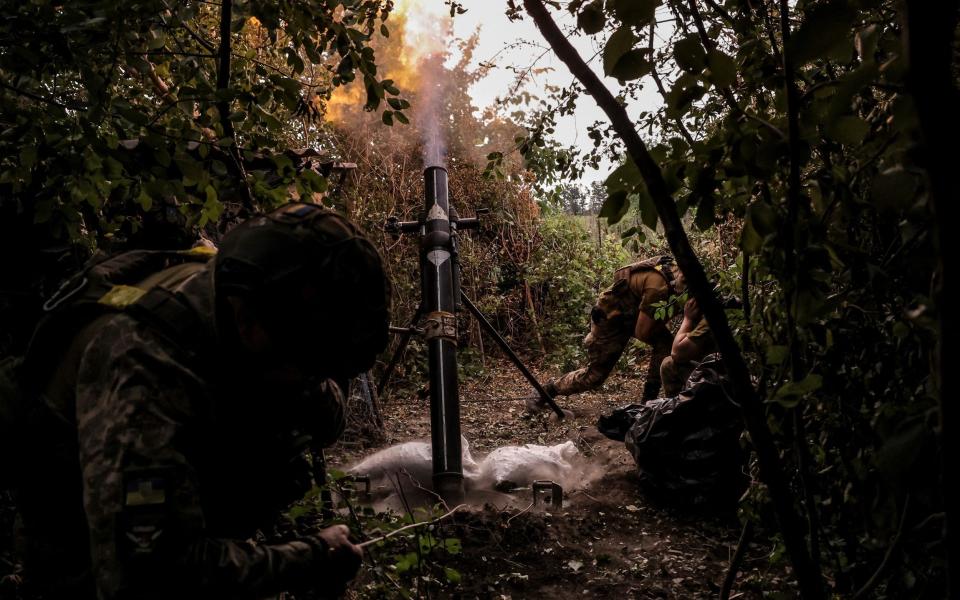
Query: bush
[(567, 272)]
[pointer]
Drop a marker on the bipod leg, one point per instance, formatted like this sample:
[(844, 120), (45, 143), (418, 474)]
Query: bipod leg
[(488, 327), (398, 353)]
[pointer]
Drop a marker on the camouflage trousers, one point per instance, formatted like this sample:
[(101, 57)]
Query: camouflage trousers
[(604, 345), (661, 344), (674, 375)]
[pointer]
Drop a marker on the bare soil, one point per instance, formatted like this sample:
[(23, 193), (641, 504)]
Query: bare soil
[(608, 540)]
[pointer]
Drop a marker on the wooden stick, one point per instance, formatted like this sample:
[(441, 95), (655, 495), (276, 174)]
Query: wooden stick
[(410, 526)]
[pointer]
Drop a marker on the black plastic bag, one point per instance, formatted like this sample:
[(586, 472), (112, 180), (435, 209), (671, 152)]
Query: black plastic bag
[(686, 447)]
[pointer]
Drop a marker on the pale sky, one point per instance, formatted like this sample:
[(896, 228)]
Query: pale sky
[(497, 33)]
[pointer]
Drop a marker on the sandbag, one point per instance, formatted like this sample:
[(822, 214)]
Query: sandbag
[(503, 469), (413, 461), (518, 466)]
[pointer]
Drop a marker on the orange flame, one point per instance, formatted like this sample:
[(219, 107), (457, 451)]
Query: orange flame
[(419, 29)]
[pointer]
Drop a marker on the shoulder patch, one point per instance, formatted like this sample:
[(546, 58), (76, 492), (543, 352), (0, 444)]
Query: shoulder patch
[(200, 251), (145, 491), (121, 296)]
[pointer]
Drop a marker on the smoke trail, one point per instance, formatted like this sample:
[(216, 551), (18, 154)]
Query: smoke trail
[(429, 29), (429, 112), (413, 57)]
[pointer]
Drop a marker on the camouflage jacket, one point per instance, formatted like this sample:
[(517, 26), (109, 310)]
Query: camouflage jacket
[(178, 468)]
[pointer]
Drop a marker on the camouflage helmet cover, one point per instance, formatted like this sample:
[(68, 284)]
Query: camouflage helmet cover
[(316, 280)]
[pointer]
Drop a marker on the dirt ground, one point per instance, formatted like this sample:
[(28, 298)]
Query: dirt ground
[(608, 540)]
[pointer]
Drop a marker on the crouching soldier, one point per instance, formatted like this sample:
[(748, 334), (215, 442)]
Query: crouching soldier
[(624, 310), (171, 424), (692, 342)]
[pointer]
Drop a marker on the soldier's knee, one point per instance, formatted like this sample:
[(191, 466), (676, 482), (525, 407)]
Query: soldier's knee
[(667, 368)]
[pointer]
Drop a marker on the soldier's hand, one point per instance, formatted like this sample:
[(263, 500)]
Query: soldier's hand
[(691, 310), (345, 557)]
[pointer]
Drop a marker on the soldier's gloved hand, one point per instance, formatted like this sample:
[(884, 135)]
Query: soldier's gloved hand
[(340, 558), (691, 310)]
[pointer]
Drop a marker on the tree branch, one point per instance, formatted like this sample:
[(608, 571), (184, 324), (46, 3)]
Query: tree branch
[(43, 99), (722, 12), (223, 107), (791, 286), (754, 415), (725, 91), (223, 66), (887, 557), (746, 536), (663, 92)]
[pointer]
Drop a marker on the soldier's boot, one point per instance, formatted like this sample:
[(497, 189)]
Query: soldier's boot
[(674, 376), (660, 350), (535, 404)]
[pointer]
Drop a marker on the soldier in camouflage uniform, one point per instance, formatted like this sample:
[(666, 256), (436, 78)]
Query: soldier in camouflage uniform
[(162, 445), (692, 342), (625, 310)]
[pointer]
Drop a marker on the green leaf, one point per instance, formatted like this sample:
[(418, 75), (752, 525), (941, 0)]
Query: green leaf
[(452, 545), (387, 118), (615, 207), (722, 69), (777, 354), (620, 43), (28, 156), (900, 455), (144, 200), (825, 31), (705, 213), (636, 13), (683, 95), (893, 190), (389, 86), (790, 393), (405, 562), (847, 129), (762, 218), (211, 195), (192, 170), (626, 177), (632, 65), (689, 54), (294, 60), (647, 209), (592, 18), (452, 575)]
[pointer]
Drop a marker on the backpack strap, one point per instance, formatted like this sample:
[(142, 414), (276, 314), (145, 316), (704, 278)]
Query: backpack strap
[(167, 313), (113, 284), (663, 265)]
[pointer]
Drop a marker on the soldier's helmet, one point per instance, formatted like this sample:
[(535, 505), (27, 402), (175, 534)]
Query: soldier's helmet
[(316, 281)]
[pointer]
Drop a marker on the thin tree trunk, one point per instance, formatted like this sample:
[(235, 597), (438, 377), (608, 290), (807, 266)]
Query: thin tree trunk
[(223, 107), (663, 92), (533, 316), (791, 280), (746, 536), (223, 65), (771, 470), (929, 36)]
